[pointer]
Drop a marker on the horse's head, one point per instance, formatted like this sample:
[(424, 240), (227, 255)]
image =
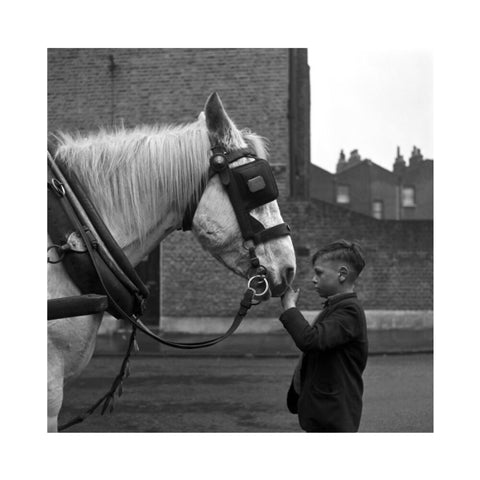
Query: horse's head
[(216, 222)]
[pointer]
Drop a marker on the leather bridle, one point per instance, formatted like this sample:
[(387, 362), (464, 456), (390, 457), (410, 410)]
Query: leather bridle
[(248, 186)]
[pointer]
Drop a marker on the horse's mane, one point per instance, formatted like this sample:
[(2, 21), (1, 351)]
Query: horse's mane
[(135, 171)]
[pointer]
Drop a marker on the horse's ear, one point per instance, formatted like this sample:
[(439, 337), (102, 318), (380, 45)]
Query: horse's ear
[(219, 124), (201, 116)]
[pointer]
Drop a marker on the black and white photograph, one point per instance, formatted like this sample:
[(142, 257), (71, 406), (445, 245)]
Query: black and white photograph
[(259, 202), (253, 238)]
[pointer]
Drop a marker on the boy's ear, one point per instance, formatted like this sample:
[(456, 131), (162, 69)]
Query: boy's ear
[(343, 272)]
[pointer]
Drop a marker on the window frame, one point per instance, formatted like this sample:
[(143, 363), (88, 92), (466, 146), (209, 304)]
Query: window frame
[(412, 199), (382, 209), (338, 195)]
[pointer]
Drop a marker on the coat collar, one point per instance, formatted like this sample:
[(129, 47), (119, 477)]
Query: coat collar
[(333, 299)]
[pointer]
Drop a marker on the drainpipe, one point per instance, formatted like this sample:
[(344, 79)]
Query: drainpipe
[(111, 68)]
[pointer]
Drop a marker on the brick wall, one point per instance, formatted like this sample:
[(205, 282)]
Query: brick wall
[(171, 86), (399, 255), (398, 275)]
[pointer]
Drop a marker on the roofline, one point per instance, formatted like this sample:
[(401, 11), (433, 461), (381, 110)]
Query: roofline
[(322, 169), (369, 163)]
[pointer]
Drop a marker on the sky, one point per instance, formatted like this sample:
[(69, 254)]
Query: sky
[(372, 101)]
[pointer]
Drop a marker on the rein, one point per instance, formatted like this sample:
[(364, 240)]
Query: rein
[(91, 245)]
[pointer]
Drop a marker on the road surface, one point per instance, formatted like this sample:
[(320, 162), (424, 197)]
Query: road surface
[(241, 394)]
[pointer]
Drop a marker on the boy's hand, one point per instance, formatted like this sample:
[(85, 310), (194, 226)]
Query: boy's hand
[(289, 298)]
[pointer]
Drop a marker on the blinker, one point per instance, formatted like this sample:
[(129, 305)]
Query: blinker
[(249, 186), (256, 184)]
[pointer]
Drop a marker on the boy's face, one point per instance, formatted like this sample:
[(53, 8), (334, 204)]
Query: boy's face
[(328, 277)]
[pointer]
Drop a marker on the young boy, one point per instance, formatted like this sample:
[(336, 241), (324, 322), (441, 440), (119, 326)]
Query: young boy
[(327, 387)]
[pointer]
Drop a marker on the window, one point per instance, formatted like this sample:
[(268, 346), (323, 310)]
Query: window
[(377, 209), (408, 197), (343, 194)]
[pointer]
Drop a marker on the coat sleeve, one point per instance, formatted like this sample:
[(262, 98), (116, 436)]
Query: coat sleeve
[(338, 328)]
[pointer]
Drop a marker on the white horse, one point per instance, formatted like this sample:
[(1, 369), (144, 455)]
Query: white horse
[(141, 182)]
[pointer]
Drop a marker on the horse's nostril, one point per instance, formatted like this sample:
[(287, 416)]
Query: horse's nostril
[(289, 275)]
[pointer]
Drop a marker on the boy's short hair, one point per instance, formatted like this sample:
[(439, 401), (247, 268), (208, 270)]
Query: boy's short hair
[(348, 252)]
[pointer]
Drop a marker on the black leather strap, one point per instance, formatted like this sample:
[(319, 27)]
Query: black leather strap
[(231, 157), (103, 232), (92, 272), (245, 304), (267, 234)]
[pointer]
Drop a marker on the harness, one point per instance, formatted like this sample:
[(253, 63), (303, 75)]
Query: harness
[(248, 186), (98, 265), (89, 253)]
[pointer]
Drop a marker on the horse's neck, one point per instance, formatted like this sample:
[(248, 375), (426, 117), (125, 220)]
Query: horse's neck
[(162, 222), (155, 211), (166, 220), (136, 250)]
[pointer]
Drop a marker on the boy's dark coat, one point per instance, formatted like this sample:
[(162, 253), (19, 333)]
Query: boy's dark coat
[(335, 354)]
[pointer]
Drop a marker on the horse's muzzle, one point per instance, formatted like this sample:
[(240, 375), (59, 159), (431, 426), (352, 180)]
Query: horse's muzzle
[(277, 290)]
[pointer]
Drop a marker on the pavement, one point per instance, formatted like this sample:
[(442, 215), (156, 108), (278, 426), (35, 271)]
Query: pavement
[(381, 342), (241, 394), (239, 385)]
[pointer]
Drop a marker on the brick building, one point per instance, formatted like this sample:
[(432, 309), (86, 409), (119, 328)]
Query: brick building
[(415, 186), (406, 193), (268, 92)]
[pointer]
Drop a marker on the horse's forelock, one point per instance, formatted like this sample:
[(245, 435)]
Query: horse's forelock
[(259, 144)]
